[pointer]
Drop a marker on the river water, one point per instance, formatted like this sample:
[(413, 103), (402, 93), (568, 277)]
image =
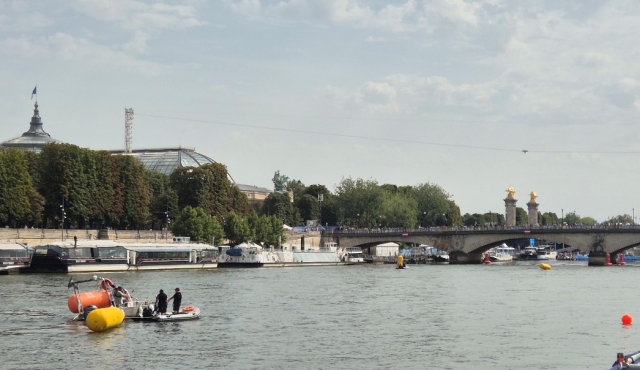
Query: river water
[(500, 316)]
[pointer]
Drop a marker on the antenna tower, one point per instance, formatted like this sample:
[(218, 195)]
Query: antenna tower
[(128, 129)]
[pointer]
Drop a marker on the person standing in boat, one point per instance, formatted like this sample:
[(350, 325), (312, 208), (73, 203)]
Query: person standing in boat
[(161, 302), (177, 299), (120, 296)]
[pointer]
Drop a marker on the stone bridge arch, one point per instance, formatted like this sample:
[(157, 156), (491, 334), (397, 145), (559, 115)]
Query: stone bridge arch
[(467, 246)]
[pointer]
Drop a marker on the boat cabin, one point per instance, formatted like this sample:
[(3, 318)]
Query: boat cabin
[(14, 254)]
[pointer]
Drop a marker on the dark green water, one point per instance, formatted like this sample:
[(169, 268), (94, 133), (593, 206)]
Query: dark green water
[(512, 316)]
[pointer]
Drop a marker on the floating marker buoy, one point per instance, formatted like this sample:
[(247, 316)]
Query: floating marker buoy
[(99, 299), (607, 260), (104, 318), (626, 319), (486, 260), (544, 266)]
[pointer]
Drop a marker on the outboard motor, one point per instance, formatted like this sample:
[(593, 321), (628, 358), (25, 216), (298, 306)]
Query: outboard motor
[(147, 312), (88, 310)]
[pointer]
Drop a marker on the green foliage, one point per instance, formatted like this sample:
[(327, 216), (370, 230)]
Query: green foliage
[(549, 218), (522, 218), (19, 202), (237, 229), (198, 225), (359, 202), (297, 188), (397, 210), (280, 206), (309, 208), (433, 205)]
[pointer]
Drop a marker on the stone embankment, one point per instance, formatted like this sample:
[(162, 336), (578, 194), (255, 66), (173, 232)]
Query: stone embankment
[(35, 237)]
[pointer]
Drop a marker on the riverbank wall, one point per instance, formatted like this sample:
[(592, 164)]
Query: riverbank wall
[(35, 237)]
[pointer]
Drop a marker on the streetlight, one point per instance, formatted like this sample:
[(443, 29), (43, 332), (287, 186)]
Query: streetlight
[(634, 217), (562, 219), (64, 215), (168, 220), (358, 220), (424, 219)]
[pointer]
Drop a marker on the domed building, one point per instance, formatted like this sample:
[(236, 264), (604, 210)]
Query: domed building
[(165, 160), (35, 138)]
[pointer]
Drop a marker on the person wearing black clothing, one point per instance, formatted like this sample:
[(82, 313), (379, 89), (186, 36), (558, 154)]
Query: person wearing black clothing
[(177, 299), (161, 302)]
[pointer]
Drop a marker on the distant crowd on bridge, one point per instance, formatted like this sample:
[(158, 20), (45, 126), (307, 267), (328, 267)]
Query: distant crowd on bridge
[(339, 229)]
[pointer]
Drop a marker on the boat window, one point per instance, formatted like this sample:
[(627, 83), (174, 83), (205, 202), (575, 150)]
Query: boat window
[(112, 252), (164, 255), (207, 253), (77, 252), (13, 253)]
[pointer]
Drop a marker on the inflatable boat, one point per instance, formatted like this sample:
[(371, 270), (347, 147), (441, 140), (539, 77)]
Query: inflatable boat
[(187, 313), (629, 361)]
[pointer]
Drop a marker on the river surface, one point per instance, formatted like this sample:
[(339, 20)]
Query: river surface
[(500, 316)]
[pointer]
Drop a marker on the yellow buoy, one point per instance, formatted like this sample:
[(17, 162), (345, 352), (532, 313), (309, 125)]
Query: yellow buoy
[(104, 318), (544, 266), (400, 261)]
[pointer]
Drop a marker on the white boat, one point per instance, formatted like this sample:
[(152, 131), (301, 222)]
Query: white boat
[(187, 313), (100, 297), (441, 257), (353, 255), (528, 253), (109, 255), (13, 255), (546, 254), (501, 253), (254, 255)]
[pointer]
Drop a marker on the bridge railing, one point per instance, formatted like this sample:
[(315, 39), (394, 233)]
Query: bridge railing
[(352, 230)]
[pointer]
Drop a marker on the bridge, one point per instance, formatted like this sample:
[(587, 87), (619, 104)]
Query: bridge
[(468, 246)]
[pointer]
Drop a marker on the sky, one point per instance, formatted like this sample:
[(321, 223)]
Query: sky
[(474, 96)]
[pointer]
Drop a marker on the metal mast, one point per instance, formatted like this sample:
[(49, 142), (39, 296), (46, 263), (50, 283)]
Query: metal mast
[(128, 129)]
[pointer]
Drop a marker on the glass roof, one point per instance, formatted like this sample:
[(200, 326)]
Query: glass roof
[(166, 160)]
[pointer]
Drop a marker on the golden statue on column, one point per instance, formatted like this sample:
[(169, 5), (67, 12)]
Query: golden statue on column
[(534, 196), (511, 192)]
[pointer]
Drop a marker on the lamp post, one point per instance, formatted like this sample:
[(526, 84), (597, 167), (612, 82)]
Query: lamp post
[(424, 219), (633, 217), (63, 215), (358, 220), (562, 218), (168, 220)]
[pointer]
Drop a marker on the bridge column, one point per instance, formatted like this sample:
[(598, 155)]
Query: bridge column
[(598, 258), (510, 208), (462, 258)]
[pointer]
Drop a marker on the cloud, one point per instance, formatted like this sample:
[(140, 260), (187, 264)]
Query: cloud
[(64, 47), (138, 43), (409, 16), (137, 15)]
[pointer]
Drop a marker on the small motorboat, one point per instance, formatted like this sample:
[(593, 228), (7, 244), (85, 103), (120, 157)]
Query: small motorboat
[(187, 313), (628, 361)]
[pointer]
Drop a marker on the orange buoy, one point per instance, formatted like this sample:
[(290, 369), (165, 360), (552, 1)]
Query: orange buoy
[(487, 260), (607, 260), (99, 299), (626, 319)]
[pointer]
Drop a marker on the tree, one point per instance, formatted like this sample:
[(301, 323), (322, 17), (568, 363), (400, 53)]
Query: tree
[(397, 210), (297, 188), (308, 208), (19, 201), (279, 205), (432, 203), (359, 202), (522, 218), (549, 218), (198, 225), (236, 229)]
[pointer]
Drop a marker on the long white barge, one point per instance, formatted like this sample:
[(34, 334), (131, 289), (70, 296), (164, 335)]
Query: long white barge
[(108, 255), (254, 255)]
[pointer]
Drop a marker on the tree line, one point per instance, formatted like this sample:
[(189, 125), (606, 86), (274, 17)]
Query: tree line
[(72, 187)]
